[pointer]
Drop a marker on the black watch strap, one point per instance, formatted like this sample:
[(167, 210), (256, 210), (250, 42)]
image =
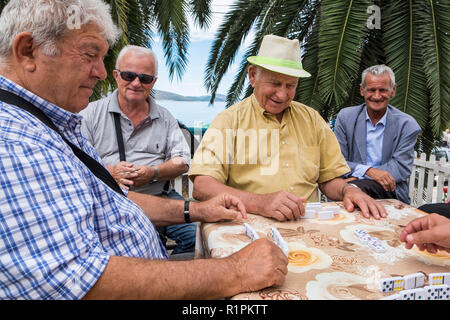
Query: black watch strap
[(187, 217)]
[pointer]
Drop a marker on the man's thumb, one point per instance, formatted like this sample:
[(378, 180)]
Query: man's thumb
[(421, 237)]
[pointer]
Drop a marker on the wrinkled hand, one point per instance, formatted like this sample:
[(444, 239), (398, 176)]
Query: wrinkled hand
[(259, 265), (354, 196), (281, 206), (430, 232), (383, 177), (144, 174), (221, 207), (124, 173)]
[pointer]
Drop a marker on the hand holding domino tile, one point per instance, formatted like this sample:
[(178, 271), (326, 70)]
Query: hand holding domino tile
[(430, 232)]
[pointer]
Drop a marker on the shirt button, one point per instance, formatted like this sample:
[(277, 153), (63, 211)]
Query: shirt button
[(286, 165), (291, 188), (283, 142)]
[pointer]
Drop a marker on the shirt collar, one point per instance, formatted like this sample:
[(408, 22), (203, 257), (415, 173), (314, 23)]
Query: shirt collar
[(381, 121), (114, 106), (60, 117), (260, 110)]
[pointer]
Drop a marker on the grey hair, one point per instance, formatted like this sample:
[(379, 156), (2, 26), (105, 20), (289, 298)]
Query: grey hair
[(378, 70), (138, 51), (49, 20)]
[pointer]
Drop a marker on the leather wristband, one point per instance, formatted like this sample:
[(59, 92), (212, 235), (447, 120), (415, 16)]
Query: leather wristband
[(187, 217)]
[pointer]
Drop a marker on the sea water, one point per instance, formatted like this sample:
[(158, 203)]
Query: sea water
[(192, 112)]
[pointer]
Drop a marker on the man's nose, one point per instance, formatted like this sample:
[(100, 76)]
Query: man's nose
[(136, 82), (99, 70)]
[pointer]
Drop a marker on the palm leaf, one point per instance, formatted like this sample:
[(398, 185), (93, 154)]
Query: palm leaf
[(433, 24), (174, 30), (308, 88), (399, 26), (201, 12), (342, 32), (237, 24)]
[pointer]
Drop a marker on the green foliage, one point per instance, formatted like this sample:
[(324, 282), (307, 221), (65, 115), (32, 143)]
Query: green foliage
[(338, 45)]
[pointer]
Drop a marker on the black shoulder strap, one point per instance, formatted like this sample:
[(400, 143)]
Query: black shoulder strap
[(119, 136), (96, 168)]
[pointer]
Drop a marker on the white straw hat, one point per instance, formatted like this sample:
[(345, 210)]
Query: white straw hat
[(280, 55)]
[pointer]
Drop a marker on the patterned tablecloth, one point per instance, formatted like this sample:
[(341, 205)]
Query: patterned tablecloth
[(326, 259)]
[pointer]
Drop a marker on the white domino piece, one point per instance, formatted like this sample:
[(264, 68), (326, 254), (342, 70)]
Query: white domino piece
[(437, 292), (392, 284), (439, 278), (309, 214), (377, 247), (313, 205), (279, 241), (365, 238), (325, 215), (413, 294), (359, 233), (444, 294), (335, 209), (250, 232), (414, 280)]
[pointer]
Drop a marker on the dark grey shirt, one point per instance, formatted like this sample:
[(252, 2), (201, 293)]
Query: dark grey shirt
[(157, 139)]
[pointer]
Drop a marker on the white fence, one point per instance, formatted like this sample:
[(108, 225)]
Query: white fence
[(428, 180)]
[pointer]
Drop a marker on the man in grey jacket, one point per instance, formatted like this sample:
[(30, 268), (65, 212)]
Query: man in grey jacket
[(376, 139)]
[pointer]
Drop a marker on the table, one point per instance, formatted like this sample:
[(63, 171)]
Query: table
[(326, 259)]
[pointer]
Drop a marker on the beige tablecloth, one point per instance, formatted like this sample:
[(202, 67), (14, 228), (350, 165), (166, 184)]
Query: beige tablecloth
[(326, 259)]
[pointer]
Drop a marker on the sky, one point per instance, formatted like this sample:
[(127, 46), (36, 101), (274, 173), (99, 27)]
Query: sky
[(191, 83)]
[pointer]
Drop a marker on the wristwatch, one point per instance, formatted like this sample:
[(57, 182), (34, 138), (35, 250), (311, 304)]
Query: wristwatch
[(155, 174)]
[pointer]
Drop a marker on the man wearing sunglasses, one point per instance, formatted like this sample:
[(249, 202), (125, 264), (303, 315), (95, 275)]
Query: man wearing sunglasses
[(154, 148)]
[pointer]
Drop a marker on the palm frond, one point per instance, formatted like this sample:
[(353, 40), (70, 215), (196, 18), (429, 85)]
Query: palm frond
[(308, 88), (399, 26), (237, 24), (201, 10), (174, 30), (342, 32), (434, 27)]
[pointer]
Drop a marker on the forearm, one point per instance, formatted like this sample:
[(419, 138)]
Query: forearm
[(206, 187), (333, 189), (172, 169), (155, 279), (161, 211)]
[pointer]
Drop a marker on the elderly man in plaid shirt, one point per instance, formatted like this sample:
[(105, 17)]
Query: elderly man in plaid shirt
[(64, 233)]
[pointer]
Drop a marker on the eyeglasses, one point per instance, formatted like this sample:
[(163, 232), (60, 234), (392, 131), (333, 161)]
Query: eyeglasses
[(130, 76)]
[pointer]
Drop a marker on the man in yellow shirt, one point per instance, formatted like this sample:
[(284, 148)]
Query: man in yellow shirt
[(271, 152)]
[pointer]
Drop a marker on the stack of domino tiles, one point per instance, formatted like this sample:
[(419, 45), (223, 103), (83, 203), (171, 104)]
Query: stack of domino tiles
[(316, 209), (410, 287), (372, 242)]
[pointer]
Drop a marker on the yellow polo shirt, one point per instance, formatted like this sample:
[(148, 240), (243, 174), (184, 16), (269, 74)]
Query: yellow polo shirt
[(246, 148)]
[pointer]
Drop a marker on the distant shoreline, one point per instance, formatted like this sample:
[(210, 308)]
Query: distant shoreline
[(169, 96)]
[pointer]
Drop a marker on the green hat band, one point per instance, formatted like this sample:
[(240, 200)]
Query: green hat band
[(279, 62)]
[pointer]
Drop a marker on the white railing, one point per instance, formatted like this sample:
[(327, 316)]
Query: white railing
[(428, 179)]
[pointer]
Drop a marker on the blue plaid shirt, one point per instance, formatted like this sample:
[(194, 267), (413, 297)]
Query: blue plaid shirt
[(59, 224)]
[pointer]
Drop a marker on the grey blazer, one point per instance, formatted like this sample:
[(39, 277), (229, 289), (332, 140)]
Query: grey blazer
[(400, 136)]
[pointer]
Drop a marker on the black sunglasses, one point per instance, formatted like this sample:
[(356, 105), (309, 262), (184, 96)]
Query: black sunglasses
[(130, 76)]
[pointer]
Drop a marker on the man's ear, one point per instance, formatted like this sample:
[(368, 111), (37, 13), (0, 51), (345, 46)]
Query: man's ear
[(23, 51), (251, 75), (394, 90)]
